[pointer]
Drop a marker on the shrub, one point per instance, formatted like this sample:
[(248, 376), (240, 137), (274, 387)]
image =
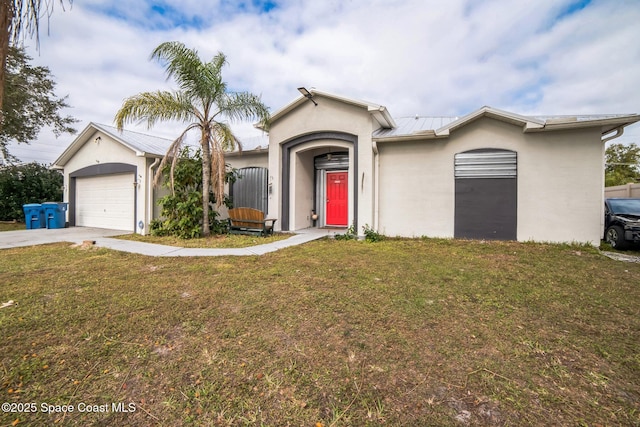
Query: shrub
[(371, 235), (182, 209), (350, 234), (28, 183)]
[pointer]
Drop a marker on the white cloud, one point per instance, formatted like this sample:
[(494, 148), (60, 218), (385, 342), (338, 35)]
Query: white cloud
[(414, 56)]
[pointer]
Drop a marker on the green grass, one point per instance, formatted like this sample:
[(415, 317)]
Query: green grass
[(343, 333), (11, 226), (213, 241)]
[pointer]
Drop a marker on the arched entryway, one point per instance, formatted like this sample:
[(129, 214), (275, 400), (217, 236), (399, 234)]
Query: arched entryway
[(304, 183)]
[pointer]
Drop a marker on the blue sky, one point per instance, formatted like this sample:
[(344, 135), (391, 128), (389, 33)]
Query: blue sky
[(426, 57)]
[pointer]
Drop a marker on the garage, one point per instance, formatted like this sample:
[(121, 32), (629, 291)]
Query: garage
[(108, 178), (106, 201)]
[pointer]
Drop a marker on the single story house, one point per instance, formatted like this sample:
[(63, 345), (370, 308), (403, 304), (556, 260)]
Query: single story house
[(331, 161)]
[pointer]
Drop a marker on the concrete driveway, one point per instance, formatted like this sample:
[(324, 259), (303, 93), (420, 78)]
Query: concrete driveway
[(14, 239)]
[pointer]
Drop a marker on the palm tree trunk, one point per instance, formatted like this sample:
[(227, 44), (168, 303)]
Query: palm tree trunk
[(206, 179)]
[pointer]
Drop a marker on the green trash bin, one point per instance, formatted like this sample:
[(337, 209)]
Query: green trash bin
[(54, 214), (34, 216)]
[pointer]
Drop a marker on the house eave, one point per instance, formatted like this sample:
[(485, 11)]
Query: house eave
[(240, 153), (606, 125), (417, 136), (78, 142), (382, 116), (527, 123), (379, 112)]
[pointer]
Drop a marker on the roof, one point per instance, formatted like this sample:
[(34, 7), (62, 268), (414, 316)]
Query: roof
[(145, 144), (141, 144), (399, 129), (253, 143), (379, 112), (411, 125), (441, 127)]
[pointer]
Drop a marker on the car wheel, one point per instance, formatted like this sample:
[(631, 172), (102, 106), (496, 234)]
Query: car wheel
[(615, 237)]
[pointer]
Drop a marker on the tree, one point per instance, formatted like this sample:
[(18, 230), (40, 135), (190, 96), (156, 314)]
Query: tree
[(204, 104), (30, 102), (18, 17), (182, 208), (29, 183), (622, 164)]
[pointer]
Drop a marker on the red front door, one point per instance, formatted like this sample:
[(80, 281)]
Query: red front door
[(337, 198)]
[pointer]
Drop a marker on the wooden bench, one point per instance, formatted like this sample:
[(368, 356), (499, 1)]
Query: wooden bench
[(249, 221)]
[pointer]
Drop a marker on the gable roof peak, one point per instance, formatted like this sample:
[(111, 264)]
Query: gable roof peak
[(379, 112), (141, 144)]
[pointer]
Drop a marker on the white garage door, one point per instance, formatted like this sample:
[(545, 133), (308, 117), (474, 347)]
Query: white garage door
[(106, 201)]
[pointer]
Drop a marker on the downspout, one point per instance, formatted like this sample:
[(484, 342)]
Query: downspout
[(150, 204), (376, 179), (619, 131)]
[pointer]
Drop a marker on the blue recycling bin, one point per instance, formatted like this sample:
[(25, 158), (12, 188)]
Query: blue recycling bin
[(54, 214), (34, 216)]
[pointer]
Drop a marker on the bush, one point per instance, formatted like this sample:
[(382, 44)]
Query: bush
[(182, 210), (350, 234), (370, 235), (28, 183)]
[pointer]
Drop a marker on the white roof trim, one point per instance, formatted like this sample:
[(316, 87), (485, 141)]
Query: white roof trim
[(607, 123), (486, 111), (379, 112), (92, 127)]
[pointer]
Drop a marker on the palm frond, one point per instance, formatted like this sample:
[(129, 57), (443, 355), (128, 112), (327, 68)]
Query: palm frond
[(27, 15), (224, 138), (240, 106), (172, 155), (198, 80), (180, 60), (221, 140), (152, 107)]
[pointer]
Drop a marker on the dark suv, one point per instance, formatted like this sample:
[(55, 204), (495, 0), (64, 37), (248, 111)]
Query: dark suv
[(622, 222)]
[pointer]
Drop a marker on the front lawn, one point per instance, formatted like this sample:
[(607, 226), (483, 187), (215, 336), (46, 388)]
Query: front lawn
[(213, 241), (337, 333), (11, 226)]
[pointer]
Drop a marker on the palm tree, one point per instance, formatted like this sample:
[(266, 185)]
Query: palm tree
[(204, 104)]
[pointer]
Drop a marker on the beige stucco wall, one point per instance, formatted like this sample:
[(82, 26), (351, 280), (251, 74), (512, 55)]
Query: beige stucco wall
[(560, 182), (415, 189), (107, 150), (248, 159), (329, 115)]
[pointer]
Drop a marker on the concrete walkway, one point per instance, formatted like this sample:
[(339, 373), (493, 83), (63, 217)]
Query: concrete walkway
[(104, 238)]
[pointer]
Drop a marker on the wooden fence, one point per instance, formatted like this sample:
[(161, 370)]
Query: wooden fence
[(627, 191)]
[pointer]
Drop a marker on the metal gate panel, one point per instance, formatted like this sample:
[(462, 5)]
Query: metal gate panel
[(250, 190), (486, 199), (486, 164), (332, 161)]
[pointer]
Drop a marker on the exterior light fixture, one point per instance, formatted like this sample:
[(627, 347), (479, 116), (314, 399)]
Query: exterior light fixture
[(307, 94)]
